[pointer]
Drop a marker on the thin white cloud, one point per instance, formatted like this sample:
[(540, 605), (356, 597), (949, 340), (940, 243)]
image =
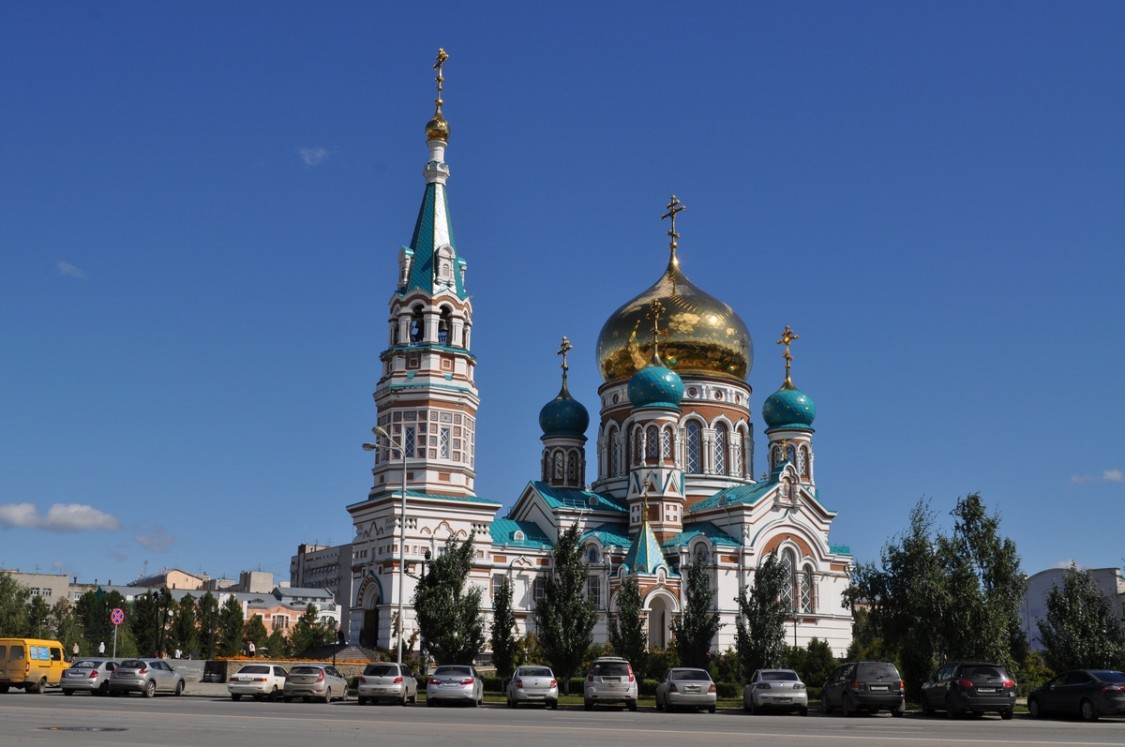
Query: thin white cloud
[(155, 539), (61, 517), (1109, 475), (315, 155), (66, 268)]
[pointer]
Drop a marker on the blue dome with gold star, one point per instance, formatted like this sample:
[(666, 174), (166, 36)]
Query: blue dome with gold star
[(564, 416), (656, 386), (789, 408)]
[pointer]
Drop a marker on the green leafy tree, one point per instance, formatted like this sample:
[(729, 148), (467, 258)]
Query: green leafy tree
[(185, 626), (504, 644), (627, 626), (255, 630), (695, 628), (13, 606), (277, 646), (1080, 631), (564, 618), (38, 618), (143, 619), (814, 663), (760, 638), (448, 607), (309, 632), (230, 627), (208, 624), (66, 627), (93, 610), (866, 641)]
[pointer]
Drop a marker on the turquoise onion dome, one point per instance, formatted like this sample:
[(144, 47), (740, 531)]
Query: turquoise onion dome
[(564, 416), (789, 407), (656, 386)]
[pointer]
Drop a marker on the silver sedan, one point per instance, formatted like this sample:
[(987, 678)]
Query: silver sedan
[(777, 690), (315, 681), (533, 684), (456, 683), (88, 675), (684, 687), (387, 681), (147, 677)]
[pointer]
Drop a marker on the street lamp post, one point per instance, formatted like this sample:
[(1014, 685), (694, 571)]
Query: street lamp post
[(379, 431)]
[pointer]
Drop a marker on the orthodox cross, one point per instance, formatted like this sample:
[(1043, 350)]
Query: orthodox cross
[(564, 348), (787, 337), (657, 310), (674, 208), (441, 58)]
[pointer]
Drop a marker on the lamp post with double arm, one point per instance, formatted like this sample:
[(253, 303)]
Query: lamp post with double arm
[(395, 444)]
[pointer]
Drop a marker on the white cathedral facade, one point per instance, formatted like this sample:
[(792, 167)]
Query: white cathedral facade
[(669, 480)]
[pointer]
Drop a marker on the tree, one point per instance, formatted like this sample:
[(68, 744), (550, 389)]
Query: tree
[(144, 620), (67, 628), (208, 624), (448, 607), (760, 638), (184, 630), (309, 632), (38, 618), (230, 627), (1080, 631), (814, 663), (255, 630), (504, 643), (627, 627), (695, 628), (277, 645), (564, 618), (93, 610), (13, 606)]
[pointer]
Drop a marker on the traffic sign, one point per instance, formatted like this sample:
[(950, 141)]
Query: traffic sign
[(117, 616)]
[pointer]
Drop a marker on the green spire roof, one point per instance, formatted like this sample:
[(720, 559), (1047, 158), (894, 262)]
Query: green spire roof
[(432, 231), (645, 555)]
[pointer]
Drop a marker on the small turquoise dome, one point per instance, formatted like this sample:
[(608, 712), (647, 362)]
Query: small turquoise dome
[(564, 416), (789, 408), (656, 386)]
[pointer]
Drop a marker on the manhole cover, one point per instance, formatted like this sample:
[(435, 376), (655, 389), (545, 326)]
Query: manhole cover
[(82, 728)]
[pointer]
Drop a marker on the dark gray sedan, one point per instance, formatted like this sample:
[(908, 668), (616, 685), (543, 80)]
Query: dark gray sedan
[(1089, 693)]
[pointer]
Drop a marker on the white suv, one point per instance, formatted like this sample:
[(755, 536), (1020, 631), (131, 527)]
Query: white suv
[(610, 681)]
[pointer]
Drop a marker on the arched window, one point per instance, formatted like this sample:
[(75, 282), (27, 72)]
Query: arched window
[(666, 443), (721, 449), (572, 468), (444, 326), (693, 448), (803, 461), (638, 445), (592, 555), (417, 326), (807, 601), (652, 445), (614, 451), (546, 467), (789, 563)]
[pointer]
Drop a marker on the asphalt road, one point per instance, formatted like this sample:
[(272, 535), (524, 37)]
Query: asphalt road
[(80, 721)]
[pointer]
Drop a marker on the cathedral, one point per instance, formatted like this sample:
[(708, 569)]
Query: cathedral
[(667, 482)]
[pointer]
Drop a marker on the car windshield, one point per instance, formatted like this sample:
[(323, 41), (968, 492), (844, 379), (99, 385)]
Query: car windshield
[(535, 672), (254, 669), (305, 670), (611, 669), (690, 674), (779, 674), (381, 670), (878, 670)]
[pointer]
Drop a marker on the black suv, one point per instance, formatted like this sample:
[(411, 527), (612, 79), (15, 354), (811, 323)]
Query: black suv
[(969, 687), (870, 686)]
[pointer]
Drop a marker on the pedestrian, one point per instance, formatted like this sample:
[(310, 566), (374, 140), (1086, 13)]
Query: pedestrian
[(250, 647), (101, 648), (178, 652), (75, 650)]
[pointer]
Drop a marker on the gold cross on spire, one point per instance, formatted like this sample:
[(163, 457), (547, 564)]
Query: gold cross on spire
[(787, 337), (674, 207), (657, 310), (441, 58), (564, 348)]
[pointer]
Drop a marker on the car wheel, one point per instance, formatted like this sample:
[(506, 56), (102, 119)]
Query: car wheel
[(846, 707), (306, 698), (179, 689), (327, 698), (150, 688), (553, 705), (38, 687), (803, 711), (273, 694), (403, 701), (899, 712), (1007, 714), (927, 709), (430, 702), (825, 706), (712, 709), (1033, 708), (1088, 710), (748, 705), (660, 706), (632, 705), (287, 698), (588, 705), (950, 711), (103, 689), (3, 689), (235, 697), (68, 692)]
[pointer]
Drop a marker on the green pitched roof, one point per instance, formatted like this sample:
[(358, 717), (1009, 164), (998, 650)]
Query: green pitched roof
[(718, 537), (609, 534), (504, 533), (575, 498), (425, 242), (645, 556)]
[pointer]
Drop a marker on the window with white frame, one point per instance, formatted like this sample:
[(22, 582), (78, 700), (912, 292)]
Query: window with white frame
[(594, 591)]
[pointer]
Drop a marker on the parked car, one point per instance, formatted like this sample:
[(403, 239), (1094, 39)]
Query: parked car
[(685, 687), (315, 681), (870, 686), (775, 690), (387, 681), (610, 681), (259, 681), (456, 683), (533, 683), (147, 677), (1089, 693), (969, 687), (88, 675)]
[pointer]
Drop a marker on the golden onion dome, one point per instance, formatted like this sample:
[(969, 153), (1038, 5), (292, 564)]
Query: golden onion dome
[(437, 128), (698, 332)]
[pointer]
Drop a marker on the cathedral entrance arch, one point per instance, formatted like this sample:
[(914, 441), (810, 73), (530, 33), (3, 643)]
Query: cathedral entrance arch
[(369, 597), (661, 608)]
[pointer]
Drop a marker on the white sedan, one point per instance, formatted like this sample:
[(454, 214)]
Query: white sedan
[(259, 681)]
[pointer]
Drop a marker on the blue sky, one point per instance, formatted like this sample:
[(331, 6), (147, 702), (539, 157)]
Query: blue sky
[(201, 206)]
